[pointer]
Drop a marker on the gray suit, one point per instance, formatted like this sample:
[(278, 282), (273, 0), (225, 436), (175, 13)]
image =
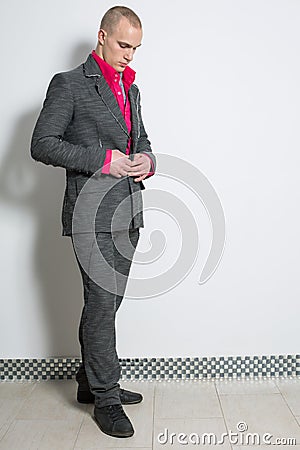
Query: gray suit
[(80, 119)]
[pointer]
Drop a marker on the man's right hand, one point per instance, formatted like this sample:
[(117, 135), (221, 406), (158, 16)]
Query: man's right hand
[(120, 164)]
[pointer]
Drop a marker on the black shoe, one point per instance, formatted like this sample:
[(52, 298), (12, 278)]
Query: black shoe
[(113, 421), (126, 397), (85, 396), (130, 398)]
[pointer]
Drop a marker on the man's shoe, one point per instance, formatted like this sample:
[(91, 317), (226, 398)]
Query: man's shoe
[(130, 398), (113, 421), (126, 397), (85, 396)]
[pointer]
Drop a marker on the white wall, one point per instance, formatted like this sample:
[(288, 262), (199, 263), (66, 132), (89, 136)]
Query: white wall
[(220, 88)]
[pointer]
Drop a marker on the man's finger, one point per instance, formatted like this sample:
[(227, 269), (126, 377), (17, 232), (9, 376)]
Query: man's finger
[(128, 164), (138, 168), (134, 173), (141, 178), (137, 162), (122, 165)]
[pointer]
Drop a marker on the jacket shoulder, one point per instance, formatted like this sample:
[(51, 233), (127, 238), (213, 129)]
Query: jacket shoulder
[(135, 91), (68, 75), (135, 88)]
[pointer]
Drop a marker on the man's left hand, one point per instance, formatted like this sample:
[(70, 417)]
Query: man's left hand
[(140, 167)]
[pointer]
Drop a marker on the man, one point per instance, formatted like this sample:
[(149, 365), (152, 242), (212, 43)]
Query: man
[(91, 125)]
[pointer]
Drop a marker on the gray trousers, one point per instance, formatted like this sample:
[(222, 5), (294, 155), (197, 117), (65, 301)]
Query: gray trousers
[(104, 264)]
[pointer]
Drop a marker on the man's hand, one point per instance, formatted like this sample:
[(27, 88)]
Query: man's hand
[(120, 164), (140, 167)]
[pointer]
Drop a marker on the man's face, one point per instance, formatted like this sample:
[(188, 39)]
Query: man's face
[(118, 47)]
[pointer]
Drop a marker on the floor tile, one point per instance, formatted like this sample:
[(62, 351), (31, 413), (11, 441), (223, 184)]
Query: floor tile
[(163, 429), (267, 413), (141, 416), (52, 400), (45, 415), (244, 386), (290, 389), (12, 397), (13, 390), (3, 429), (9, 408), (40, 434), (187, 399)]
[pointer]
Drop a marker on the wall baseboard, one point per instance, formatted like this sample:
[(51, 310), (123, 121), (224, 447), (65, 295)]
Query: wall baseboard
[(159, 368)]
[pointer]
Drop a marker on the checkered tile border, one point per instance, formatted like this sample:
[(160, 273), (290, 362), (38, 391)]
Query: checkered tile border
[(159, 368)]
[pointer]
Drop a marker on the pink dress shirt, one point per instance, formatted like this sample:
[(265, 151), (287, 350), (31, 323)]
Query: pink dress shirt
[(112, 78)]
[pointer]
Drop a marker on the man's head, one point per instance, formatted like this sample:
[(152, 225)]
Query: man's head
[(119, 35)]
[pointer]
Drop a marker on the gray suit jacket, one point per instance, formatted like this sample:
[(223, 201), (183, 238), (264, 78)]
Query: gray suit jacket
[(79, 121)]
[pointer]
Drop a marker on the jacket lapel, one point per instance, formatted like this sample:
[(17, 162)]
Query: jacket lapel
[(134, 118), (92, 70)]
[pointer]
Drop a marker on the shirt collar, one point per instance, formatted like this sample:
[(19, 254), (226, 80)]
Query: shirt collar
[(111, 74)]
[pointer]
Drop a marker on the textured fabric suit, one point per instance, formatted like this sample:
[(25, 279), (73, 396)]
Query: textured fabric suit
[(79, 121), (100, 369)]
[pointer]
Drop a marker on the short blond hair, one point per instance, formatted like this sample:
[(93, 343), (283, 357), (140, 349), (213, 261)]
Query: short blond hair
[(112, 17)]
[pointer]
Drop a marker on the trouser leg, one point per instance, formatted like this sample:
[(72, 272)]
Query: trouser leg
[(100, 367), (123, 255)]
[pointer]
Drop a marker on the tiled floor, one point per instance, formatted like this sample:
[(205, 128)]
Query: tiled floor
[(45, 415)]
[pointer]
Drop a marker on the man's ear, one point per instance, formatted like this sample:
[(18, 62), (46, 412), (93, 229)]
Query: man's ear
[(101, 36)]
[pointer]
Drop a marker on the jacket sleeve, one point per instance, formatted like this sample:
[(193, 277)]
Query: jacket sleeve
[(48, 144), (144, 145)]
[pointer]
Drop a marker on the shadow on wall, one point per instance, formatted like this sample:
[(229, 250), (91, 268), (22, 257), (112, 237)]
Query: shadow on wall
[(39, 188)]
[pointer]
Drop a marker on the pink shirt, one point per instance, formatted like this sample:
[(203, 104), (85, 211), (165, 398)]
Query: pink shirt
[(112, 78)]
